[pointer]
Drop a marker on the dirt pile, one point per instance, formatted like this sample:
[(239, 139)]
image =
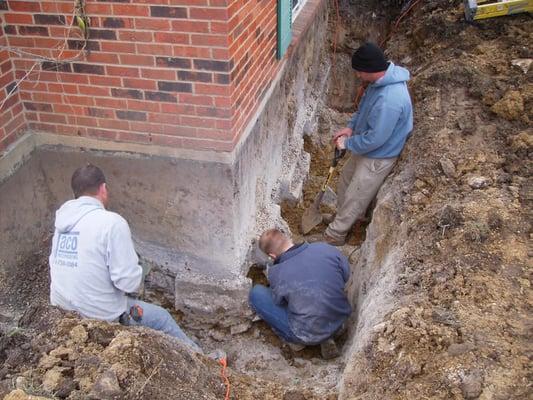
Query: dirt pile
[(57, 355)]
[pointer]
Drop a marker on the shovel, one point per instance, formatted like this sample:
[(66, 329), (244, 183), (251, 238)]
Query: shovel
[(312, 216)]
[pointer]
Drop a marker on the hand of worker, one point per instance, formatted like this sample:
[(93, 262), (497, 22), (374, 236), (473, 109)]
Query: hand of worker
[(346, 132), (341, 142)]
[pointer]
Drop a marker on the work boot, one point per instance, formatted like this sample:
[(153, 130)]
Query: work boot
[(296, 347), (333, 241), (329, 349)]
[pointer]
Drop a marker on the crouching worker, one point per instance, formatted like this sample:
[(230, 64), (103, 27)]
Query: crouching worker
[(93, 264), (305, 303)]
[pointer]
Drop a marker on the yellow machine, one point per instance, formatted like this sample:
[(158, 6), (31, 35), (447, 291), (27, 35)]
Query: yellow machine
[(482, 9)]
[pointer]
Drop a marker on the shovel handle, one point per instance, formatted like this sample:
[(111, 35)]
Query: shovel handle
[(337, 157)]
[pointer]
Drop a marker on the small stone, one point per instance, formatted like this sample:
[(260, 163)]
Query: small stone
[(48, 362), (61, 352), (107, 386), (21, 382), (478, 182), (78, 334), (241, 328), (21, 395), (523, 63), (472, 386), (52, 379), (66, 388), (448, 167), (456, 349)]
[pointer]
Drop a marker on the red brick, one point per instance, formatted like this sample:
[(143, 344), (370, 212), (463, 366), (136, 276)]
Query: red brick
[(201, 88), (104, 58), (113, 124), (210, 40), (213, 112), (184, 109), (135, 36), (158, 74), (210, 14), (133, 10), (18, 19), (171, 37), (146, 127), (195, 52), (52, 118), (102, 133), (94, 91), (112, 103), (197, 100), (98, 9), (140, 105), (105, 80), (155, 49), (198, 122), (118, 47), (122, 71), (68, 109), (27, 6), (139, 83), (80, 100), (70, 78), (164, 118), (153, 24), (170, 141), (190, 26)]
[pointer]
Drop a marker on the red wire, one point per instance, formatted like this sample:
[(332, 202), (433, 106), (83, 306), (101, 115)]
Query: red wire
[(225, 378)]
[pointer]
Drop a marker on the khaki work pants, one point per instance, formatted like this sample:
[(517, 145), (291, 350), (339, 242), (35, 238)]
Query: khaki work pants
[(359, 182)]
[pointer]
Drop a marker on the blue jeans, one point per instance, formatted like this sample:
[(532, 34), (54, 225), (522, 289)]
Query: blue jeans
[(276, 316), (158, 318)]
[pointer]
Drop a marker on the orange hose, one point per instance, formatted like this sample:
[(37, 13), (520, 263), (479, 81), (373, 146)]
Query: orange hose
[(223, 362)]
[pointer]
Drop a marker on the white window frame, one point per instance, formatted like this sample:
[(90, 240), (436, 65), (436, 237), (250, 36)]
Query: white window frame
[(298, 8)]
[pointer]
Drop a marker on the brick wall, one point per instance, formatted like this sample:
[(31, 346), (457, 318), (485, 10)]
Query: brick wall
[(181, 73), (12, 120)]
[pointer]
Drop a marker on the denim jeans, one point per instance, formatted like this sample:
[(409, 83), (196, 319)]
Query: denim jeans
[(275, 316), (158, 318)]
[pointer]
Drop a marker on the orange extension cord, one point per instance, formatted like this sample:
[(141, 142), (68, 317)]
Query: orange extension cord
[(224, 363)]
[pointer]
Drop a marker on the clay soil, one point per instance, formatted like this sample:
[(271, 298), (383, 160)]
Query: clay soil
[(461, 210)]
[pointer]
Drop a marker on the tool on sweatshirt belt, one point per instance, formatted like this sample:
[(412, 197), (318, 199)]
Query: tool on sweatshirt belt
[(481, 9), (312, 216), (136, 313)]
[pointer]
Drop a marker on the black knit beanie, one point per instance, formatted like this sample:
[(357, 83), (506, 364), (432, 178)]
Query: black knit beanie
[(369, 58)]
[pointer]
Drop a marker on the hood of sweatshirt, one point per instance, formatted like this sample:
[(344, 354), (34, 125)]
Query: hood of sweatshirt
[(73, 210), (394, 74)]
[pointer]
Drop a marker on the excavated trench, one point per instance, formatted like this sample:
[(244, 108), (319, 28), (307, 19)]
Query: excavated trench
[(251, 346)]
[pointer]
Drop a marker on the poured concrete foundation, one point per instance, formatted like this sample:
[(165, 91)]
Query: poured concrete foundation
[(193, 215)]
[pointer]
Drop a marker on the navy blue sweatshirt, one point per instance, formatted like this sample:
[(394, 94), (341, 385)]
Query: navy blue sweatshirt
[(309, 279)]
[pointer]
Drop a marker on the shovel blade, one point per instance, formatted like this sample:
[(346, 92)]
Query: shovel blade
[(312, 217)]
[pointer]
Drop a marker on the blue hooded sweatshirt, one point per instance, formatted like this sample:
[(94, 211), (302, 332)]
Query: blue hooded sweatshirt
[(309, 280), (384, 120)]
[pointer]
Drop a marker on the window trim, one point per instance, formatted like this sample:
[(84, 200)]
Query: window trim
[(299, 7)]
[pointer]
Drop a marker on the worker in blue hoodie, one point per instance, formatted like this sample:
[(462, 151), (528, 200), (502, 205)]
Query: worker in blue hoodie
[(375, 137), (306, 303), (93, 264)]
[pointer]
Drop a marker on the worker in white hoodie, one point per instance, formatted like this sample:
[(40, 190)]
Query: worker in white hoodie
[(93, 265)]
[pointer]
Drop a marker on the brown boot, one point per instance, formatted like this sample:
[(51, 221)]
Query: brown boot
[(328, 218), (329, 349), (333, 241)]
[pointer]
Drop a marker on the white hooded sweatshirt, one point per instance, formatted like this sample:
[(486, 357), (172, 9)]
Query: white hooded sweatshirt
[(93, 263)]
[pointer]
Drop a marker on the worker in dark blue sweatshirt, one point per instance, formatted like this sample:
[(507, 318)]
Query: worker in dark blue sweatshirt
[(305, 303), (374, 137)]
